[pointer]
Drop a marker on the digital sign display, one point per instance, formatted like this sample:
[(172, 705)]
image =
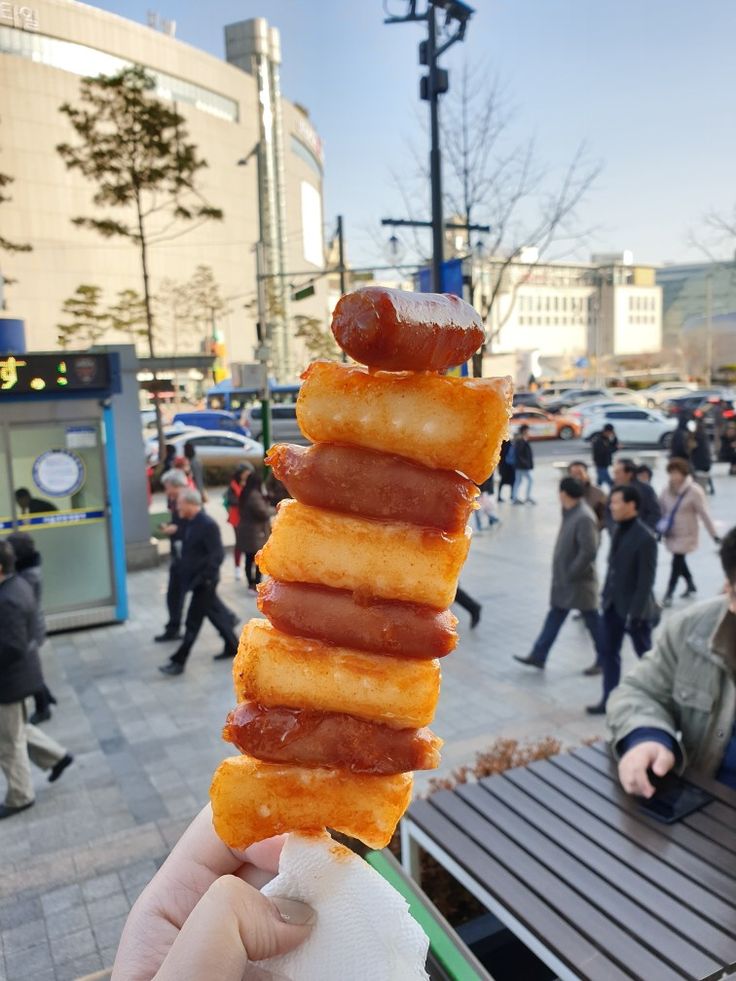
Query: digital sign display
[(57, 374)]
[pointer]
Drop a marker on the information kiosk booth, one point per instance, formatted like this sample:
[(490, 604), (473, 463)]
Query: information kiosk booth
[(59, 480)]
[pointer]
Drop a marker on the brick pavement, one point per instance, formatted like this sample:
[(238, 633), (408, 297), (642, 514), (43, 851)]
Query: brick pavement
[(146, 746)]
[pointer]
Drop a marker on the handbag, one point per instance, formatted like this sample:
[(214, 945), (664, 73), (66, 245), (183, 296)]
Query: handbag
[(665, 523)]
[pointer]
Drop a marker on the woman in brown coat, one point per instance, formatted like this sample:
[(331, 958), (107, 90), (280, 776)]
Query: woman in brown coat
[(683, 506), (254, 526)]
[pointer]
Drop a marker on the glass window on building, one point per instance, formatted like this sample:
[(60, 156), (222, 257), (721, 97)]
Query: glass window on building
[(79, 59)]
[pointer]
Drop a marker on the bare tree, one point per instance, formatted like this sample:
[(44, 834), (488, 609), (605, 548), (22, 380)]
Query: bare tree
[(491, 178)]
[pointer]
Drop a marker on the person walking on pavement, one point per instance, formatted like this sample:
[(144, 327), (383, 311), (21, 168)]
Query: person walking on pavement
[(28, 567), (701, 458), (230, 500), (20, 677), (473, 607), (624, 474), (174, 482), (604, 445), (574, 576), (254, 526), (683, 507), (201, 557), (682, 438), (196, 469), (592, 495), (523, 465), (506, 470), (627, 601)]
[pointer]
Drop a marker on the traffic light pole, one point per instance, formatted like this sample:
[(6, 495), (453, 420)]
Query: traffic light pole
[(432, 86), (435, 159), (264, 347)]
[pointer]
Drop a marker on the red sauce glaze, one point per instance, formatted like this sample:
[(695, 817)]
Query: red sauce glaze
[(373, 485), (304, 738), (338, 616), (398, 331)]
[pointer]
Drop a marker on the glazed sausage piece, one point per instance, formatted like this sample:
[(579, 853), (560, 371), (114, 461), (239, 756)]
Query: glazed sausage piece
[(374, 485), (304, 738), (337, 616), (399, 331)]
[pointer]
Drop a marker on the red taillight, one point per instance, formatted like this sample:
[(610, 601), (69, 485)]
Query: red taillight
[(698, 413), (729, 413)]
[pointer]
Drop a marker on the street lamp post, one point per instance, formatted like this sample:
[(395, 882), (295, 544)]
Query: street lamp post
[(431, 87)]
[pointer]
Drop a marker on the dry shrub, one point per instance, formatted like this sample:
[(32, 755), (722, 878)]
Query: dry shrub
[(455, 903)]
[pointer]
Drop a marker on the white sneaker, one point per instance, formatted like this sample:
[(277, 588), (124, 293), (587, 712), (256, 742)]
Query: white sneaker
[(238, 573)]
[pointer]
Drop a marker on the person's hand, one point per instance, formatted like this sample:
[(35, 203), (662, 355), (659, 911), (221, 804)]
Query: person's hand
[(633, 766), (201, 916)]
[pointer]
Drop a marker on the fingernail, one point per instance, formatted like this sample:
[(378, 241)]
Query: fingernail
[(293, 912)]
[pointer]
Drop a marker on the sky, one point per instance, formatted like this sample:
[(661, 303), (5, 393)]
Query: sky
[(647, 85)]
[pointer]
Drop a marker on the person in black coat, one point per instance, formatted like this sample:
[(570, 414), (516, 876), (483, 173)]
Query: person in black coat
[(28, 567), (682, 440), (199, 570), (627, 600), (701, 458), (523, 464), (603, 446), (506, 470), (624, 474), (20, 677)]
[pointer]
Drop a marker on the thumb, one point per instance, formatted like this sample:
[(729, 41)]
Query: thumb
[(230, 926), (662, 762)]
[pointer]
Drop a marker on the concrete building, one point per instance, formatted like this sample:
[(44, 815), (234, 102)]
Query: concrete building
[(699, 314), (604, 308), (233, 111)]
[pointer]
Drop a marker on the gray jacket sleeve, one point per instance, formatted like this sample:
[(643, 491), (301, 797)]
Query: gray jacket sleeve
[(586, 542), (644, 698)]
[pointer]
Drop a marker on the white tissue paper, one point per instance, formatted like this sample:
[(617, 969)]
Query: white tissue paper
[(364, 931)]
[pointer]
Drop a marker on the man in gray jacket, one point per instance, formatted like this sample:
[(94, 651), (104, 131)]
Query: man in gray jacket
[(677, 707), (574, 576)]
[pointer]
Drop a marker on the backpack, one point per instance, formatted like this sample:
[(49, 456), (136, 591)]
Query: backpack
[(510, 458)]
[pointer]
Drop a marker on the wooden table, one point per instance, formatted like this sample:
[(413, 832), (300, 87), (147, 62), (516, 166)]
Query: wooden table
[(594, 887)]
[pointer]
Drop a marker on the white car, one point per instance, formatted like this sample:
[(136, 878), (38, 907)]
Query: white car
[(627, 395), (583, 411), (633, 426), (217, 450), (658, 394)]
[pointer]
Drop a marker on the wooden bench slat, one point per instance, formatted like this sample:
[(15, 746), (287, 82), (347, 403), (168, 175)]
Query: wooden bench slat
[(602, 784), (641, 835), (594, 827), (570, 947), (621, 946), (630, 881), (595, 889)]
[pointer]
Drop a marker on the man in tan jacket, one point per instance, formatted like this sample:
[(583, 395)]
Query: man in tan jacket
[(677, 707)]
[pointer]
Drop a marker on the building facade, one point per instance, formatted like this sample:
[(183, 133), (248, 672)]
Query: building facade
[(601, 309), (699, 314), (234, 112)]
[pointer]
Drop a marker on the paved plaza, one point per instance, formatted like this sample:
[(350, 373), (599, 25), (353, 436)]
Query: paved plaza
[(145, 746)]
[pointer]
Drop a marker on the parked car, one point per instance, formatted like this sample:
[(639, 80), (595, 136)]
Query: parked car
[(544, 425), (216, 419), (634, 426), (690, 402), (217, 451), (528, 398), (572, 397), (628, 395), (284, 427), (584, 410), (657, 395)]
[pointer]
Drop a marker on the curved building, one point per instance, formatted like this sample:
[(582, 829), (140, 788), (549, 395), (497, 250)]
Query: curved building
[(242, 126)]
